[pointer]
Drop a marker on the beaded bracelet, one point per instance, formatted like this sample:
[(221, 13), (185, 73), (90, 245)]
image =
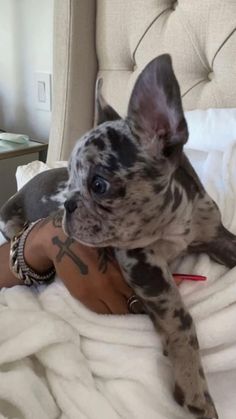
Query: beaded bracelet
[(17, 262)]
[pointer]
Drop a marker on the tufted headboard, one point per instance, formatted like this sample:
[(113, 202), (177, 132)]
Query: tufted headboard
[(117, 38)]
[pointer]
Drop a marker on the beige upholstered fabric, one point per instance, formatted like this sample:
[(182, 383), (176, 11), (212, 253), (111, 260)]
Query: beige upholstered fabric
[(199, 34), (74, 74)]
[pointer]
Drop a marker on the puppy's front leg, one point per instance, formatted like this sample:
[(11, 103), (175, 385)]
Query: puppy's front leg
[(154, 284)]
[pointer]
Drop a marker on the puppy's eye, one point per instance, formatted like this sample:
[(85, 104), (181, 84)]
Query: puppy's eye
[(99, 185)]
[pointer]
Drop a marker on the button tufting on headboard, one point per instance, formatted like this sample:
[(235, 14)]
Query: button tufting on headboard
[(198, 34), (210, 76), (175, 4)]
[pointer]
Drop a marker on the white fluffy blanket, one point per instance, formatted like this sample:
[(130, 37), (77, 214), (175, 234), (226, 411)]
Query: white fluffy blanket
[(59, 360)]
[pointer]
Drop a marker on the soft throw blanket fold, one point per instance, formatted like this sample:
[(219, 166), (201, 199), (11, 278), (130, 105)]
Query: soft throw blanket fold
[(59, 360)]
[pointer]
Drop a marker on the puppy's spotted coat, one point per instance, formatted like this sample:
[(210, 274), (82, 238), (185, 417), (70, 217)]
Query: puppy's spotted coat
[(131, 187)]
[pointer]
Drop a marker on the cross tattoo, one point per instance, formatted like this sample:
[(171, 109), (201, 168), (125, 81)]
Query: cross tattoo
[(65, 250)]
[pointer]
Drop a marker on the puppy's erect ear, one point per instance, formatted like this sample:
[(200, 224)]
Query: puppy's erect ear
[(155, 109), (103, 111)]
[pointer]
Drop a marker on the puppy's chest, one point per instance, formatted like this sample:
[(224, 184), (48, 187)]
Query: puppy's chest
[(166, 249), (174, 238)]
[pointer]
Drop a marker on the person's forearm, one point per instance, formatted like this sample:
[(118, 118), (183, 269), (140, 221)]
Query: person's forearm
[(47, 245), (91, 275), (35, 256), (72, 261)]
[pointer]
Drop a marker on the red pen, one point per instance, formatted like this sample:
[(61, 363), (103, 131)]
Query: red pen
[(187, 277)]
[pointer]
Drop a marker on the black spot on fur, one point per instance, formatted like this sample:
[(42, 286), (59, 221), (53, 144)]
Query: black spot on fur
[(195, 410), (121, 192), (193, 341), (146, 220), (161, 312), (130, 175), (89, 140), (179, 395), (163, 301), (185, 319), (99, 143), (145, 200), (125, 149), (173, 151), (104, 208), (96, 229), (201, 372), (187, 182), (150, 172), (149, 278), (112, 163), (116, 192), (157, 188), (90, 159), (177, 199)]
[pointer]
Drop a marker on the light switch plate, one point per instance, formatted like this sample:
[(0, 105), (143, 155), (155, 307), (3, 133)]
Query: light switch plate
[(43, 100)]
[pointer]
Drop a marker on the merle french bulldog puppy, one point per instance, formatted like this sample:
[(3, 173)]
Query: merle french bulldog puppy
[(131, 187)]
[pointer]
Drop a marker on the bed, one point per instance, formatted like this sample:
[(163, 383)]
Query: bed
[(59, 360)]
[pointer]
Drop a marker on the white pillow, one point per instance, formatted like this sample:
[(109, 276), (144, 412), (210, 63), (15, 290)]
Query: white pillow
[(211, 129), (28, 171)]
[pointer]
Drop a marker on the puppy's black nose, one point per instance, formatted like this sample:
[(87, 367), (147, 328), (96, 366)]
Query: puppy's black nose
[(70, 205)]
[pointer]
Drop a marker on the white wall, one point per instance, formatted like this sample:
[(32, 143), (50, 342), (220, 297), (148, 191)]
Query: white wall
[(26, 31)]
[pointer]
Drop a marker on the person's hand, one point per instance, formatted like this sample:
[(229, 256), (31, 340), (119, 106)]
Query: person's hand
[(91, 275)]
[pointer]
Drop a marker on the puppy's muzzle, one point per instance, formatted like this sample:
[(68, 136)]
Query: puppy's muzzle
[(70, 205)]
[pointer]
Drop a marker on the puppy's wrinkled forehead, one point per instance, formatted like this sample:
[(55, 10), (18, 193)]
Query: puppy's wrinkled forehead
[(111, 144)]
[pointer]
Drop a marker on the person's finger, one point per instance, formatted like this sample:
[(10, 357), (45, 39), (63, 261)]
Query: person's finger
[(118, 305), (120, 286), (96, 305), (115, 301), (112, 303)]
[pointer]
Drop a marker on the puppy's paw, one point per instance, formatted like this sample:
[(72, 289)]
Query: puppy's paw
[(199, 404), (203, 409)]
